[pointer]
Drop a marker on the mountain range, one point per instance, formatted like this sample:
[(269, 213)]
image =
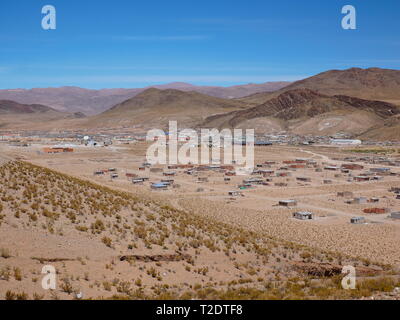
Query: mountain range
[(361, 102), (24, 116), (91, 102)]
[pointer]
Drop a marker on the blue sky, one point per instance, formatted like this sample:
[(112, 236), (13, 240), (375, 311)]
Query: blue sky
[(130, 43)]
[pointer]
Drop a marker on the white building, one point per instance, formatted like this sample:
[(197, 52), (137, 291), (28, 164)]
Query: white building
[(346, 142)]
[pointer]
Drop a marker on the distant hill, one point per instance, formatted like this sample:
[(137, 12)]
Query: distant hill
[(155, 107), (388, 131), (12, 107), (305, 111), (29, 116), (371, 84), (75, 99)]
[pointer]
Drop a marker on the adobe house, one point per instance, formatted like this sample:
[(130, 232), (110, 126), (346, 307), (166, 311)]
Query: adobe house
[(57, 150), (283, 174), (267, 173), (395, 215), (361, 178), (360, 200), (376, 210), (358, 220), (230, 173), (288, 203), (169, 173), (327, 181), (331, 168), (303, 215), (352, 166), (167, 181), (297, 166), (395, 190), (253, 181), (235, 193), (345, 194), (280, 184), (303, 179), (159, 186), (380, 170), (137, 180)]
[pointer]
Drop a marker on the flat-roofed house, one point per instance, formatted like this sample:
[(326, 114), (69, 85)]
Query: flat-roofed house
[(361, 178), (288, 203), (395, 215), (357, 220), (303, 215)]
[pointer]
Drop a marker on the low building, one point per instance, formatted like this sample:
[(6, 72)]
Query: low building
[(57, 150), (352, 166), (380, 170), (376, 210), (280, 184), (361, 178), (331, 168), (169, 173), (360, 200), (253, 181), (395, 215), (357, 220), (345, 194), (159, 186), (303, 215), (288, 203), (345, 142), (283, 174)]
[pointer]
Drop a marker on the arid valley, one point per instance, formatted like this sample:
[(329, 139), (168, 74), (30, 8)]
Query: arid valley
[(78, 194)]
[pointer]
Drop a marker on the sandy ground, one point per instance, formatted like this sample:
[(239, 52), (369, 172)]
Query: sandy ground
[(256, 210)]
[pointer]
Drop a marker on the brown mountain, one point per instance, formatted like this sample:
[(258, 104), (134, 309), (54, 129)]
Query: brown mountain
[(371, 84), (388, 131), (155, 107), (28, 116), (307, 112), (12, 107), (75, 99)]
